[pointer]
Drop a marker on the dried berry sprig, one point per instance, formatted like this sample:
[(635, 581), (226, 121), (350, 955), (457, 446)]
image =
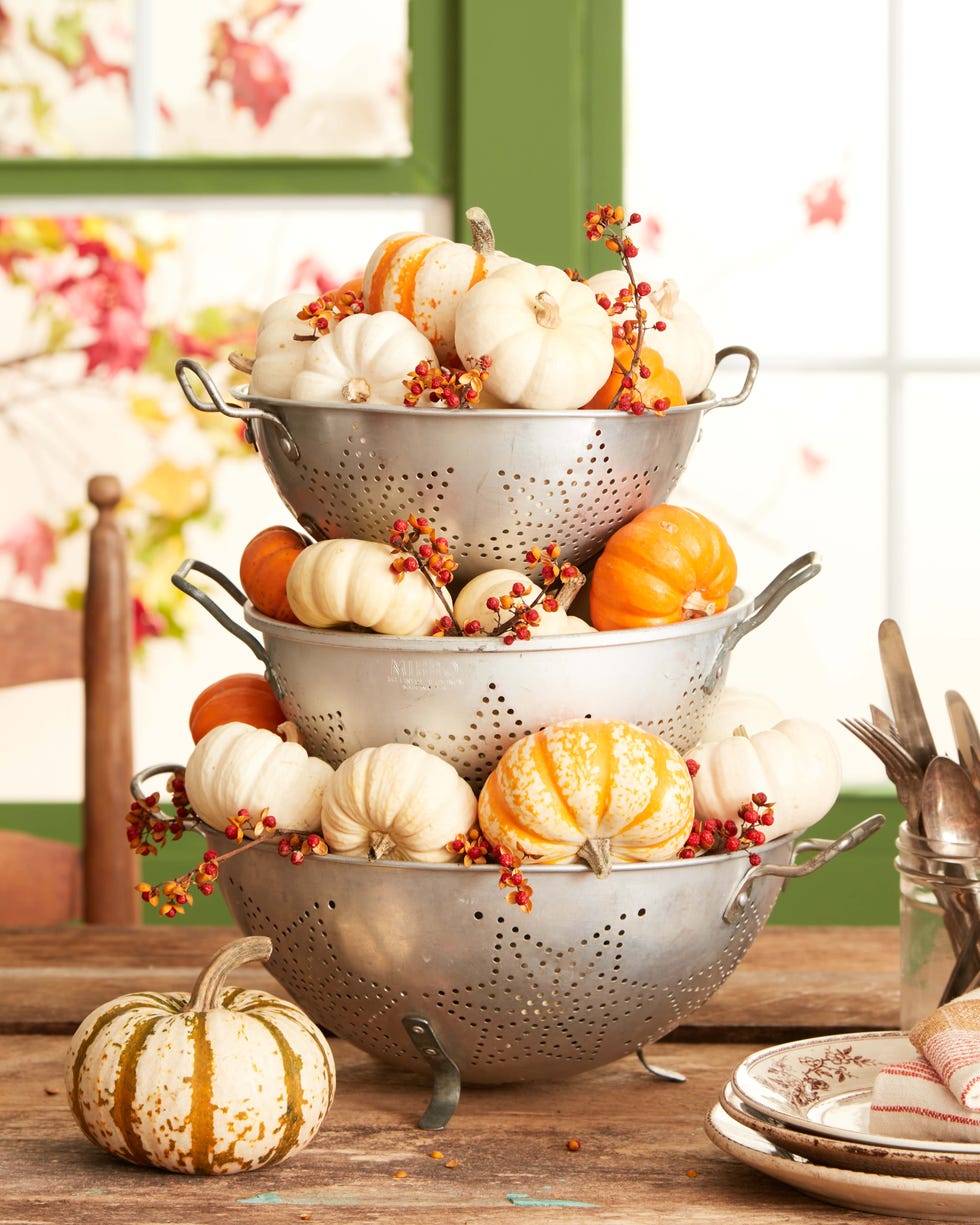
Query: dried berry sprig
[(172, 896), (148, 827), (475, 849), (512, 877), (561, 583), (608, 223), (327, 311), (442, 385), (418, 548), (740, 833)]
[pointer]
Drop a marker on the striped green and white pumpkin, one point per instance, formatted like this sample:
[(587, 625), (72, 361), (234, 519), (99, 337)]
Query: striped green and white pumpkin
[(215, 1082)]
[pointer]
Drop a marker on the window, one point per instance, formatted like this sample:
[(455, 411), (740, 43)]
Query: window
[(160, 184), (808, 184)]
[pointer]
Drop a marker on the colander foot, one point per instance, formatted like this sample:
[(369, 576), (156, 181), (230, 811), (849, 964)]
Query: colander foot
[(660, 1073), (445, 1074)]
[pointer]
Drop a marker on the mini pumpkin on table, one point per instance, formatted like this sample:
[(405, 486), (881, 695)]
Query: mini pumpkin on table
[(217, 1081)]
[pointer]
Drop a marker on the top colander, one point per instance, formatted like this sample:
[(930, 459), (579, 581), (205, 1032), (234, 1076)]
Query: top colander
[(494, 482)]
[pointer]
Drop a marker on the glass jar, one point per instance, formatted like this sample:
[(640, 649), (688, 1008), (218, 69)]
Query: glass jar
[(939, 901)]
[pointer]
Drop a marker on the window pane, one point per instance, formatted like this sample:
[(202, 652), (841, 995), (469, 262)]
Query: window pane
[(940, 578), (66, 71), (96, 309), (938, 186), (801, 466), (125, 78), (305, 79), (755, 151)]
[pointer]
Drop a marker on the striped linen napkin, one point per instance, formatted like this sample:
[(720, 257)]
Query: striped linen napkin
[(935, 1096)]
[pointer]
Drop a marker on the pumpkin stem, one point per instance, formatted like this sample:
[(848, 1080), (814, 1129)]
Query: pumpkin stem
[(289, 732), (741, 730), (241, 362), (211, 981), (356, 390), (695, 605), (597, 853), (664, 298), (482, 231), (566, 596), (546, 310), (381, 844)]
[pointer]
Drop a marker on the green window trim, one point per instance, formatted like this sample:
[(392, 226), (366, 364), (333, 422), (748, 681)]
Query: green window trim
[(515, 107), (541, 123)]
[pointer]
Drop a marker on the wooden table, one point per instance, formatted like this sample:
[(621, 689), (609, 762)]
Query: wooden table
[(643, 1156)]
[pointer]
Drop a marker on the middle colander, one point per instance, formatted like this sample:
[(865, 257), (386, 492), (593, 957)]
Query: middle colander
[(494, 482), (468, 699)]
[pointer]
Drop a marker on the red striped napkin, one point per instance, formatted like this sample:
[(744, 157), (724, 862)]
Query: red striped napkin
[(937, 1095)]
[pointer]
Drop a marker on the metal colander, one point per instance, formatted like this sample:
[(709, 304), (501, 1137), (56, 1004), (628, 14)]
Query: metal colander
[(466, 700), (495, 482), (381, 952)]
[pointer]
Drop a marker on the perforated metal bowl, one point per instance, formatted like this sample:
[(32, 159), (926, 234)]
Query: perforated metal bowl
[(494, 481), (467, 699), (371, 949)]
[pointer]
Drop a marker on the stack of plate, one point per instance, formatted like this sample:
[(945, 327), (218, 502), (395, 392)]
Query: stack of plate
[(800, 1113)]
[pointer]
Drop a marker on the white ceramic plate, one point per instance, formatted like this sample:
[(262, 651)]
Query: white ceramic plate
[(869, 1158), (823, 1086), (909, 1198)]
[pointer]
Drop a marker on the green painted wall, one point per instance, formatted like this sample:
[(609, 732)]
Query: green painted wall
[(541, 129)]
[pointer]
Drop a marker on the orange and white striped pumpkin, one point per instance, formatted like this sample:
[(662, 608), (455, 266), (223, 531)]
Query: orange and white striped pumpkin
[(600, 790), (423, 277), (216, 1082)]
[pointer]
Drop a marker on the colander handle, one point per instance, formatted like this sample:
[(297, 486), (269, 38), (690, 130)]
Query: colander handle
[(183, 583), (826, 850), (764, 605), (141, 777), (241, 412), (747, 385)]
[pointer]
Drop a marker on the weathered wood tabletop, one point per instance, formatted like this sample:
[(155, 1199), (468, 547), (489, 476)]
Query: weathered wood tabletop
[(644, 1156)]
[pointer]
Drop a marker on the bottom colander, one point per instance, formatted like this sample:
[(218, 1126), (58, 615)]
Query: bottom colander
[(422, 964)]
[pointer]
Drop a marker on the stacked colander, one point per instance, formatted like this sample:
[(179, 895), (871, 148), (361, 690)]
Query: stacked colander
[(426, 965)]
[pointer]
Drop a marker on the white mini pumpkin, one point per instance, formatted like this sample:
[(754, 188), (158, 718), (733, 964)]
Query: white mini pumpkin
[(795, 764), (238, 766), (685, 344), (740, 708), (215, 1082), (350, 582), (397, 801), (363, 359), (279, 356), (547, 337), (424, 277), (471, 605)]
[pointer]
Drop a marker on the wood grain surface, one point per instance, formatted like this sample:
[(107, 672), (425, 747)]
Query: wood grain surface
[(644, 1156)]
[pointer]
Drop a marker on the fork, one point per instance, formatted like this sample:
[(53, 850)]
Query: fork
[(900, 766)]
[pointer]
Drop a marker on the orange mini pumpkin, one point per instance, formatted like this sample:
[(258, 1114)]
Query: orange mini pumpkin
[(667, 564), (423, 277), (242, 698), (660, 384), (265, 565), (600, 790)]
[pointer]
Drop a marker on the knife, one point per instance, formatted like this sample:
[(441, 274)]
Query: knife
[(907, 710), (965, 734)]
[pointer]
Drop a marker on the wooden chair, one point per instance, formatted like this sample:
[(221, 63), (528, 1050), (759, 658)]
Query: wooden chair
[(43, 881)]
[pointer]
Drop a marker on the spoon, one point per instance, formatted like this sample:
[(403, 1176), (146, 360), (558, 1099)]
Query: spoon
[(950, 805), (951, 815), (965, 733)]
